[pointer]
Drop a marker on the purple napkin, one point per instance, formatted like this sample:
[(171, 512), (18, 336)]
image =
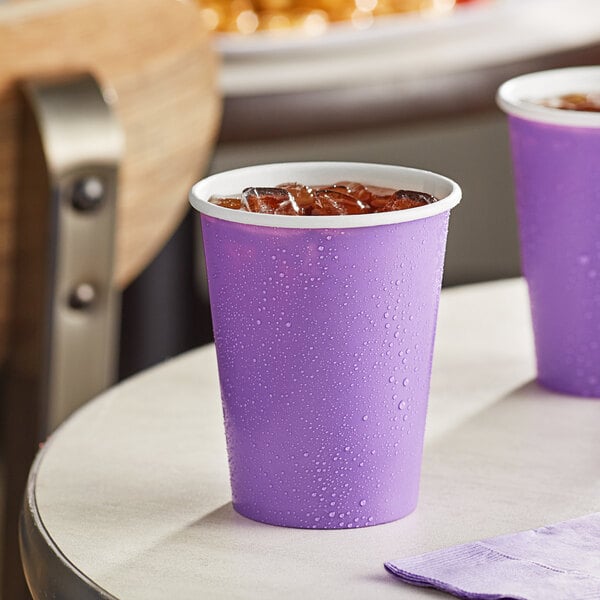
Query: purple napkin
[(558, 562)]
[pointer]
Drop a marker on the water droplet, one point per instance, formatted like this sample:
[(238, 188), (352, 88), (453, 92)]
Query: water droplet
[(362, 502), (258, 321), (281, 274), (405, 382), (305, 454), (320, 248), (288, 324), (365, 417), (347, 448), (392, 379), (402, 405), (332, 514), (328, 238)]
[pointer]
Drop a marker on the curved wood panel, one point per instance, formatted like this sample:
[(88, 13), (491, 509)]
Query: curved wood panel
[(155, 57)]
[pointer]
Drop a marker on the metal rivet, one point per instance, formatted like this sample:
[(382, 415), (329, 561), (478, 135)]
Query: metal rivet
[(83, 296), (88, 193)]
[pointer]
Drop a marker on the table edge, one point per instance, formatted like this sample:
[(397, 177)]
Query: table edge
[(47, 570)]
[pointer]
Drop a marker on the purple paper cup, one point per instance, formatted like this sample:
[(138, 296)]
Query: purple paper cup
[(324, 330), (556, 159)]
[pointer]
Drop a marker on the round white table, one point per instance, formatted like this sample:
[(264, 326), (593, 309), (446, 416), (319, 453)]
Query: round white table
[(130, 498)]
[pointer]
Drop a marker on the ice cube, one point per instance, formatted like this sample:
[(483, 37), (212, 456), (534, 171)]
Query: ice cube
[(234, 202), (303, 194), (289, 207), (403, 199), (366, 193), (329, 201), (420, 198), (264, 199)]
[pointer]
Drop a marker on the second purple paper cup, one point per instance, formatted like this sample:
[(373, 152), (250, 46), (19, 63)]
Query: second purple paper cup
[(324, 330), (556, 157)]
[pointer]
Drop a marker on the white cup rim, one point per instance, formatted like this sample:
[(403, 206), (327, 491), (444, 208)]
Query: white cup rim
[(519, 96), (323, 173)]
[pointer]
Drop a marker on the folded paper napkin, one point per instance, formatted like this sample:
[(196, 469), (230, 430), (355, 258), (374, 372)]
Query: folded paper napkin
[(558, 562)]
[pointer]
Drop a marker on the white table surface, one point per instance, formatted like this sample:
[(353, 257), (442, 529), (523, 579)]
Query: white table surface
[(133, 490)]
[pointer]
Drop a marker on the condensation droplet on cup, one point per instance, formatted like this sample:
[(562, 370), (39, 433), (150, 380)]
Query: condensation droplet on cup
[(362, 502), (405, 382)]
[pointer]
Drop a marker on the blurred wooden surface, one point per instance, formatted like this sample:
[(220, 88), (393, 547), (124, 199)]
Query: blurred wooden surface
[(154, 57)]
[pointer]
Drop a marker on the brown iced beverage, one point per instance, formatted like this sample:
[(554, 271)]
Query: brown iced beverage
[(580, 102), (341, 198)]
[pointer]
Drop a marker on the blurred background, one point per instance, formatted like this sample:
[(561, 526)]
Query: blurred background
[(203, 86), (407, 82)]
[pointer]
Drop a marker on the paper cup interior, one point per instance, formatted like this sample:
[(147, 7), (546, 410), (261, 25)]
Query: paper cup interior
[(324, 173), (521, 96)]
